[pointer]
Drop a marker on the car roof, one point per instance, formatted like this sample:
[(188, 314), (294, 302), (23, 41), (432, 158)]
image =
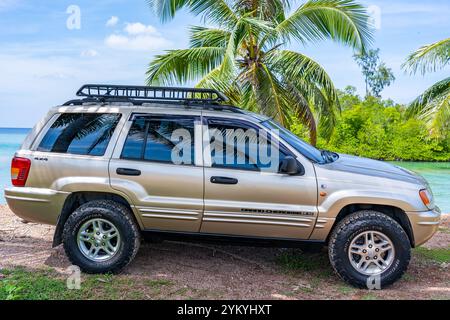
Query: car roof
[(167, 108)]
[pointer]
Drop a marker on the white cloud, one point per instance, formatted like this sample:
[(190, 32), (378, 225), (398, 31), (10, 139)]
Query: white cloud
[(139, 28), (141, 42), (138, 37), (112, 21), (90, 53)]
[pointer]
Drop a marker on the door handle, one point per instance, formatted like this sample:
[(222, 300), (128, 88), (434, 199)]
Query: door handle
[(224, 180), (128, 172)]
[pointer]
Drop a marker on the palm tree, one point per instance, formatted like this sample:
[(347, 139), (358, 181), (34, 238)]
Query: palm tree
[(434, 104), (245, 55)]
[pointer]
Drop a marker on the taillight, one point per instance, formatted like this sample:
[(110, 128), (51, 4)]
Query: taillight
[(20, 167)]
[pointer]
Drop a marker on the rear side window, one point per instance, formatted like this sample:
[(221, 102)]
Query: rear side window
[(80, 133), (168, 139)]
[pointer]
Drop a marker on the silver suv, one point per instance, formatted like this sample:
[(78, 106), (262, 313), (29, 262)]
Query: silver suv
[(123, 163)]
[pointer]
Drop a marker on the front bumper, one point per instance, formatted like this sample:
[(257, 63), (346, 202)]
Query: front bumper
[(36, 204), (424, 224)]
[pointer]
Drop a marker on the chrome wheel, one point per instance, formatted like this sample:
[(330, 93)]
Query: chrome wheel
[(371, 253), (98, 240)]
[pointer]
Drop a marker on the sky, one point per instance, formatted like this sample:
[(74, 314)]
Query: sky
[(47, 53)]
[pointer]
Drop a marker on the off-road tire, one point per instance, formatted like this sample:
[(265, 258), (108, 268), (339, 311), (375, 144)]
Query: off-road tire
[(117, 214), (359, 222)]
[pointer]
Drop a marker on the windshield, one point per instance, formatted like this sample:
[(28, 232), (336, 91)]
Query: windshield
[(298, 144)]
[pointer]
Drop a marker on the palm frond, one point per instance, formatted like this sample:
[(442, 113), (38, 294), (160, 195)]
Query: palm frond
[(294, 65), (344, 21), (272, 10), (215, 11), (227, 85), (245, 28), (434, 106), (421, 104), (312, 81), (429, 58), (208, 37), (181, 66), (166, 9), (301, 110)]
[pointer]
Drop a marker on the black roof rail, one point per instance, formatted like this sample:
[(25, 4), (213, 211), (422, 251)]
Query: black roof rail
[(143, 94)]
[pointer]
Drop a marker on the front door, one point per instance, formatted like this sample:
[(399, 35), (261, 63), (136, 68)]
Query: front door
[(242, 197), (159, 169)]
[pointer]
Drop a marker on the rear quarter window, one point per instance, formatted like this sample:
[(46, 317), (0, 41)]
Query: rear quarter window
[(80, 133)]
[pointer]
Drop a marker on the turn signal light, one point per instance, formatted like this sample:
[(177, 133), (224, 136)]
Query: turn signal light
[(424, 196)]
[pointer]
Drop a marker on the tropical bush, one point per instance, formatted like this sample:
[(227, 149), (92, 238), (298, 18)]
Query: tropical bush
[(380, 129)]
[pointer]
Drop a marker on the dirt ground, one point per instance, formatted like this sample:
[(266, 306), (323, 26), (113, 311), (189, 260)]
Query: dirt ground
[(231, 272)]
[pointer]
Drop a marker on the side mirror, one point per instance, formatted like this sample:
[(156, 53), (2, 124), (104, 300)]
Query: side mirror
[(290, 166)]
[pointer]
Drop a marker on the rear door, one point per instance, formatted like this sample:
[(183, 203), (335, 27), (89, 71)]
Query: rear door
[(245, 195), (158, 165)]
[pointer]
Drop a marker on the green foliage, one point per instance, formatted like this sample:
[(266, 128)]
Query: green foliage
[(380, 129), (377, 75)]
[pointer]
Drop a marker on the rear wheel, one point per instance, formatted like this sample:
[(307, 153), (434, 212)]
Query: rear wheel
[(368, 249), (100, 237)]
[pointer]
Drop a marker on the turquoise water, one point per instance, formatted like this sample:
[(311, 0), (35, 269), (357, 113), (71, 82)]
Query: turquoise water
[(437, 174)]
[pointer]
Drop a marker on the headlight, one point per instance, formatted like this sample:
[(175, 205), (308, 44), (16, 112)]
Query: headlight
[(427, 198)]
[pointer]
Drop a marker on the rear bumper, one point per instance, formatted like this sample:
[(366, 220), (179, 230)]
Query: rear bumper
[(424, 224), (36, 204)]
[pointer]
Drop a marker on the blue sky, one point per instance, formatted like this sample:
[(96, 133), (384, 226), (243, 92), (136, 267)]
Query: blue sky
[(43, 62)]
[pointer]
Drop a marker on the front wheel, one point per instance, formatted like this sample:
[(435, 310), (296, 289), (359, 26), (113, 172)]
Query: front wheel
[(368, 249)]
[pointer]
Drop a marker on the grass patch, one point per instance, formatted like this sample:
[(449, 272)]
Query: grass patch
[(158, 283), (369, 296), (344, 289), (439, 255), (22, 284), (408, 277), (317, 264)]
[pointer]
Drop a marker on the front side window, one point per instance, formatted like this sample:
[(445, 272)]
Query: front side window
[(161, 139), (80, 133), (240, 145), (298, 144)]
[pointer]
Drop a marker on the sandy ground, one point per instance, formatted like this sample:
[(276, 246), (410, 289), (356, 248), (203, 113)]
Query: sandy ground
[(228, 272)]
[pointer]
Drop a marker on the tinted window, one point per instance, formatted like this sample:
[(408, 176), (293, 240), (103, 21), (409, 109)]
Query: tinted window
[(301, 146), (240, 145), (80, 133), (168, 139)]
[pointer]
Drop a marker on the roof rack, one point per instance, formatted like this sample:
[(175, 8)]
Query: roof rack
[(143, 94)]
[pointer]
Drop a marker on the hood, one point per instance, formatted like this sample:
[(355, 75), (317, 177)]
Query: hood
[(369, 167)]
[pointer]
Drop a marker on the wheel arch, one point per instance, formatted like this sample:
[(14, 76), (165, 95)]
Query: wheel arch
[(76, 199), (395, 213)]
